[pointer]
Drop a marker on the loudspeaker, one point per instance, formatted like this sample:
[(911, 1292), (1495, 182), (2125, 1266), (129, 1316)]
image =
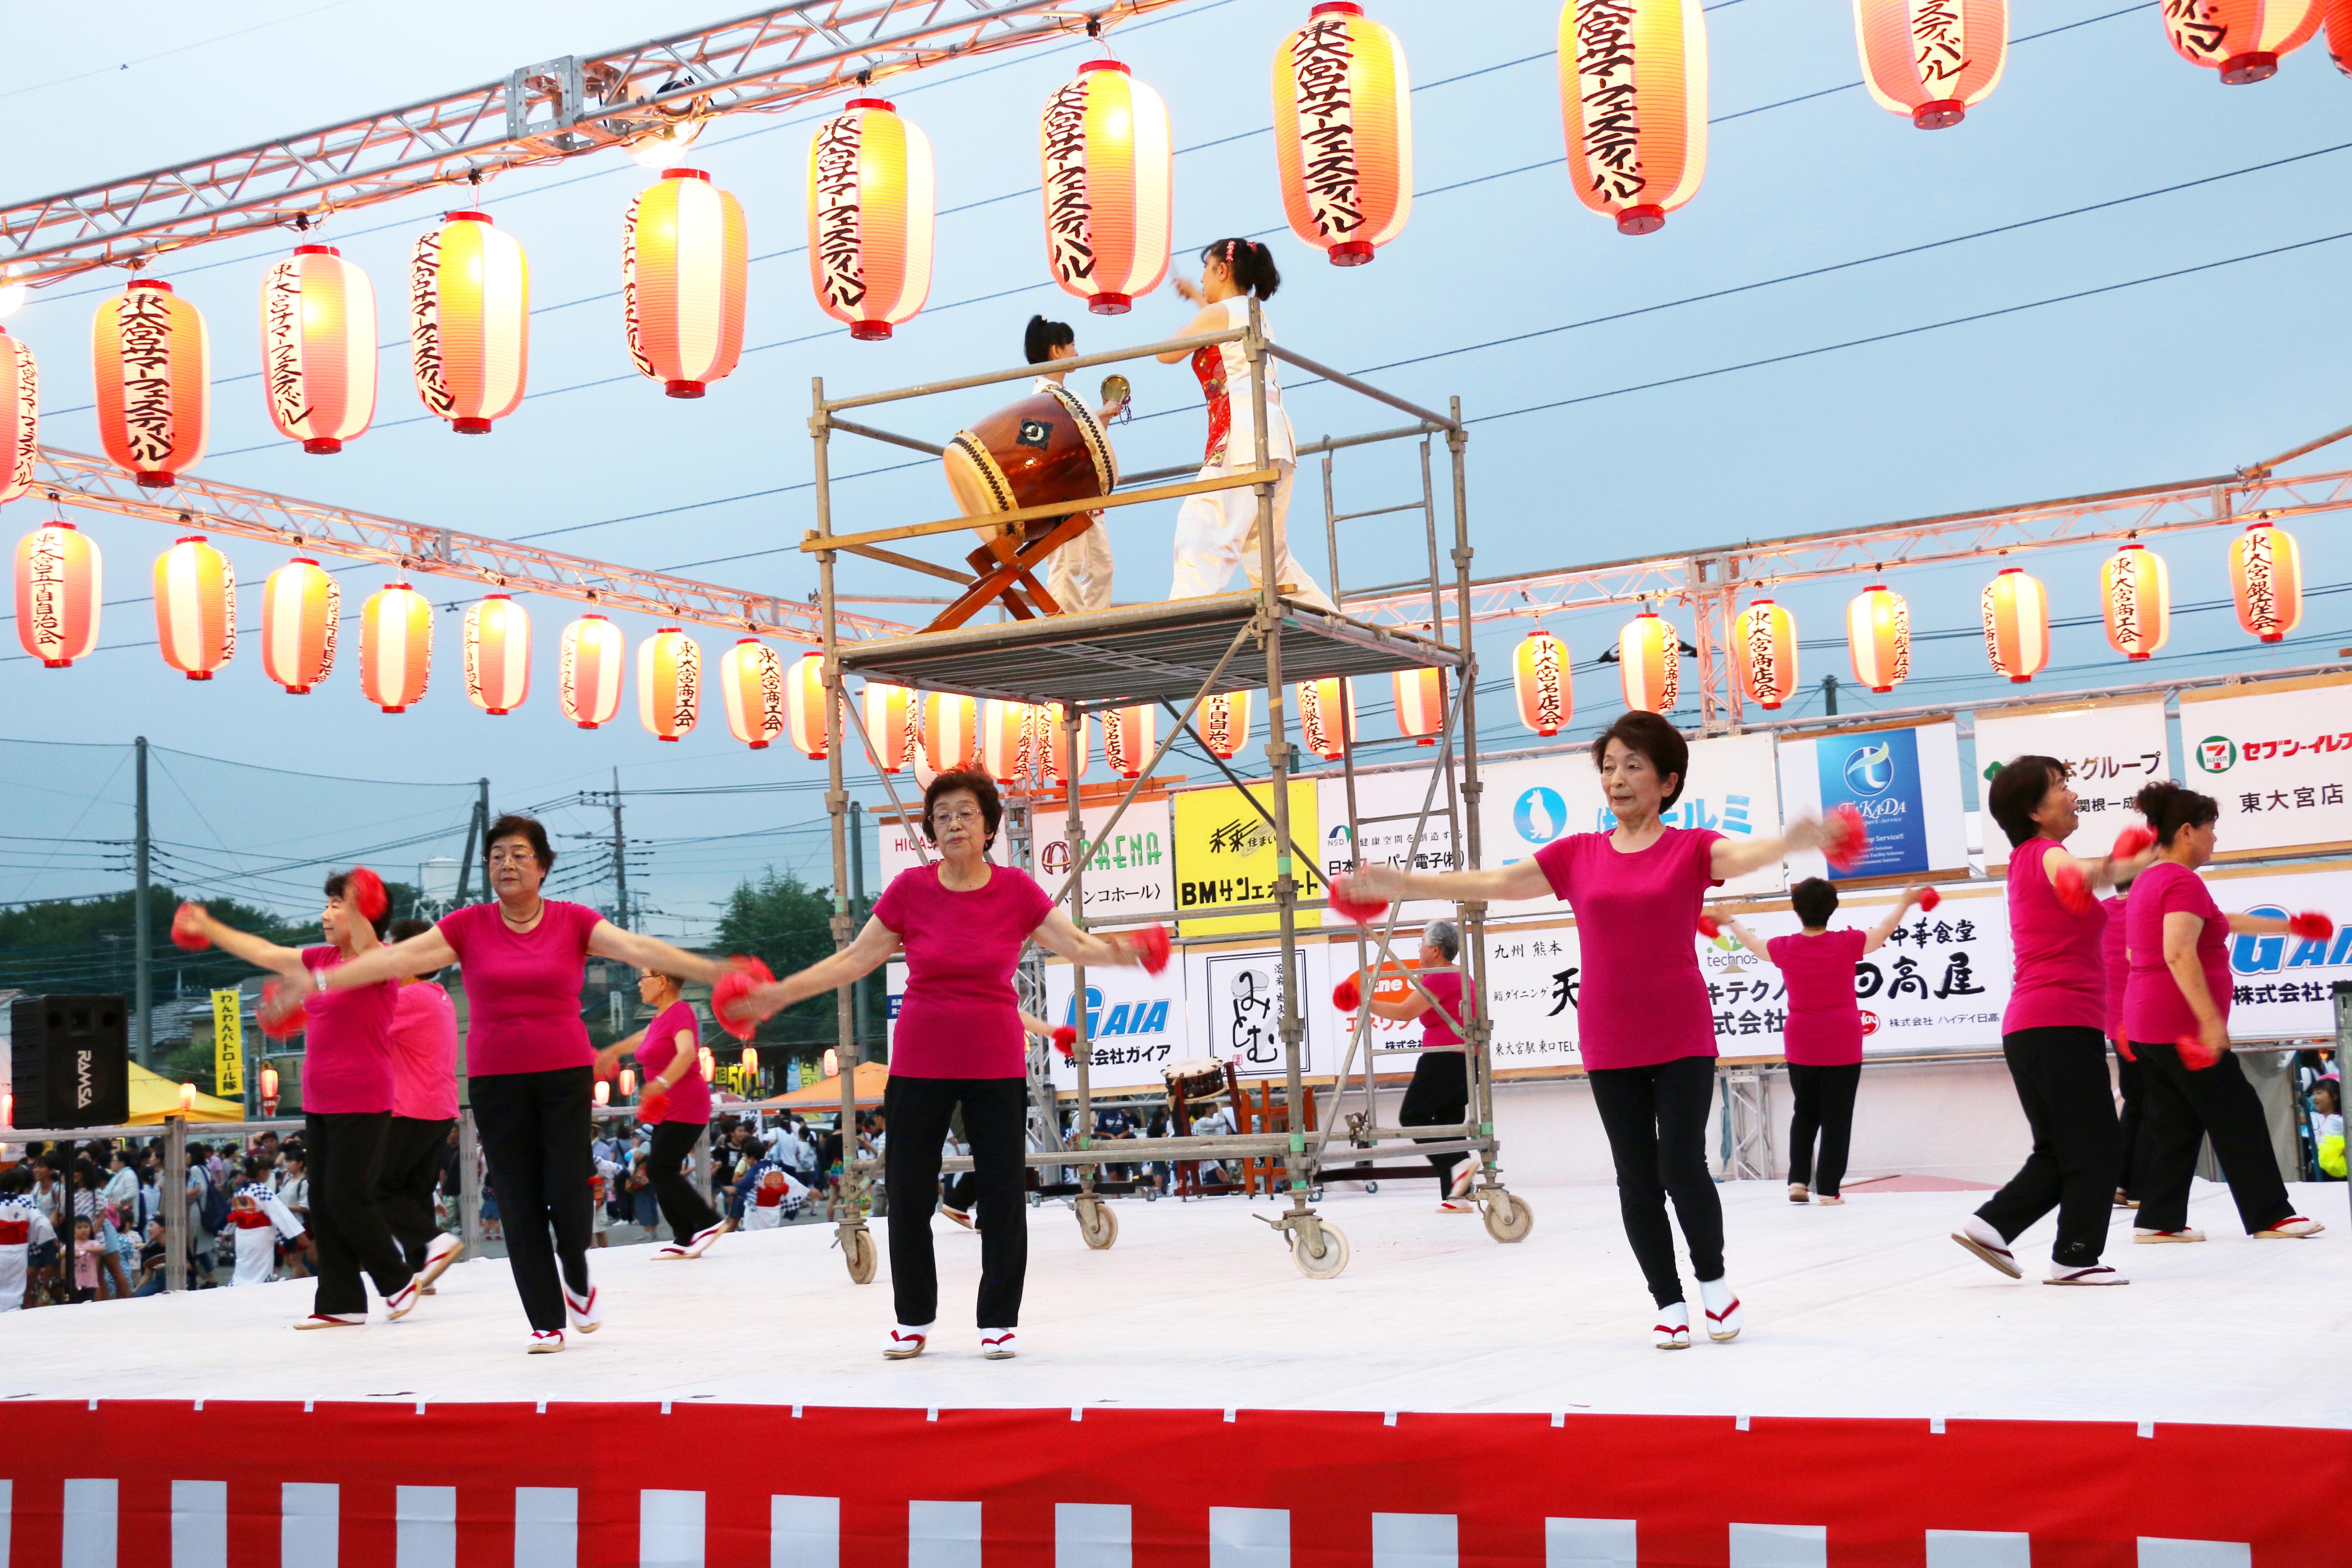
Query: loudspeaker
[(69, 1059)]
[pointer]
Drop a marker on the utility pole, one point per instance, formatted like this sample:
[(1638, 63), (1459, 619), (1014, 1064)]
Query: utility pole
[(620, 861), (476, 830), (1829, 693), (858, 913), (142, 924)]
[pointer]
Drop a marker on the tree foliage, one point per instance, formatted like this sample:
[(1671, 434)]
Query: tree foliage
[(787, 926)]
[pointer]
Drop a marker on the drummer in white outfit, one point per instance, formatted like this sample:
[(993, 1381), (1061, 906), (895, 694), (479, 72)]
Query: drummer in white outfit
[(1080, 578), (1218, 530)]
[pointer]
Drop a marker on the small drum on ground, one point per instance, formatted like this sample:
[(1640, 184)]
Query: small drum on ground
[(1047, 447), (1197, 1079)]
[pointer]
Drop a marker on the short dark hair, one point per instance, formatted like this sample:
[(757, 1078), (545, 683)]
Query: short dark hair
[(253, 1169), (2170, 807), (1044, 337), (339, 886), (1250, 263), (2016, 791), (982, 788), (1814, 899), (515, 825), (1654, 738)]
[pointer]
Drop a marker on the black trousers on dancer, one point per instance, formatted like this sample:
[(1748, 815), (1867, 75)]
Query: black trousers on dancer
[(534, 1129), (687, 1214), (995, 1114), (412, 1152), (347, 1227), (2185, 1106), (1439, 1096), (1824, 1097), (2061, 1076), (2132, 1079), (1656, 1121)]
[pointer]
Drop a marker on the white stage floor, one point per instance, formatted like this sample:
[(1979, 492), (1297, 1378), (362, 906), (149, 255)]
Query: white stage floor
[(1864, 1310)]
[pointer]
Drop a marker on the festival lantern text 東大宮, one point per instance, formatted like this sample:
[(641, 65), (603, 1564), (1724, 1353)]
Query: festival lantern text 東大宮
[(752, 684), (1222, 724), (1130, 736), (318, 348), (2136, 593), (1540, 674), (151, 361), (2242, 39), (1343, 133), (60, 586), (869, 218), (1933, 61), (1103, 148), (20, 416), (889, 723), (469, 322), (1049, 743), (1764, 654), (669, 683), (1632, 89), (951, 730), (589, 659), (195, 607), (1878, 638), (2016, 624), (395, 647), (685, 270), (1650, 663), (2266, 581), (1005, 732), (497, 654), (301, 614), (1320, 728)]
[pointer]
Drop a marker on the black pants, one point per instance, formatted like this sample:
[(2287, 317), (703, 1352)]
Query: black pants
[(412, 1152), (1439, 1096), (347, 1227), (2132, 1080), (687, 1214), (534, 1129), (1656, 1121), (995, 1115), (2061, 1076), (1824, 1098), (2184, 1107)]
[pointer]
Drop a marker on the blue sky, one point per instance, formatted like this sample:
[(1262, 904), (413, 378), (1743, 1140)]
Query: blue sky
[(2175, 379)]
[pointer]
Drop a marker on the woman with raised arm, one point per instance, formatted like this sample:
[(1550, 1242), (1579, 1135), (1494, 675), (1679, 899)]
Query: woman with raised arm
[(961, 923), (348, 1092), (1439, 1094), (1218, 530), (2177, 1012), (530, 1071), (1643, 1021), (676, 1101)]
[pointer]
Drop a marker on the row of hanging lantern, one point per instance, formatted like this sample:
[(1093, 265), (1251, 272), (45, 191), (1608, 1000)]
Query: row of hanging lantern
[(2135, 595)]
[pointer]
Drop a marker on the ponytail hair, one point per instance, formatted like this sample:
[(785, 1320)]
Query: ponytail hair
[(2170, 807), (1044, 337), (1250, 263)]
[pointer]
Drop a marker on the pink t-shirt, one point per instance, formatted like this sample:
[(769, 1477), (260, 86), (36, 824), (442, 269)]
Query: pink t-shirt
[(2118, 965), (2154, 1009), (1640, 999), (960, 1017), (2062, 972), (424, 1054), (689, 1097), (346, 1044), (1445, 990), (1824, 1027), (523, 989)]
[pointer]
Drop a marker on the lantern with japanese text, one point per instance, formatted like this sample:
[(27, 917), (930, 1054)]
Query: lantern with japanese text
[(2016, 624), (60, 584), (318, 348), (2242, 39), (20, 416), (1222, 724), (301, 614), (685, 267), (2340, 32), (1931, 59), (1632, 92), (395, 647), (1764, 654), (1006, 734), (2136, 593), (1321, 727), (589, 660), (1131, 736), (497, 654), (669, 683), (1650, 663), (1420, 704), (195, 607), (1049, 743), (869, 223), (889, 723), (804, 697), (752, 683), (1103, 147), (951, 730), (1878, 637), (1343, 133), (2266, 581), (153, 363), (469, 322), (1540, 673)]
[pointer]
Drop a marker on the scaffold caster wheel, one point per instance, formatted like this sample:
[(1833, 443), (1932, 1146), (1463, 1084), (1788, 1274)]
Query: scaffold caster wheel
[(1314, 1195), (1096, 1223), (1371, 1186), (1508, 1218), (857, 1251), (1319, 1250)]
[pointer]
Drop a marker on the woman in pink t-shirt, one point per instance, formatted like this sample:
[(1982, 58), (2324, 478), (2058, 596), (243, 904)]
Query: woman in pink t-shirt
[(2177, 1012), (960, 923), (676, 1101), (2130, 1082), (530, 1068), (424, 1114), (1822, 1038), (1439, 1095), (1644, 1027)]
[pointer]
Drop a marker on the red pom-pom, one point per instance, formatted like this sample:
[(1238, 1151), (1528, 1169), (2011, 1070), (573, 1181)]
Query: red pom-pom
[(1929, 899), (1151, 943), (653, 1106), (2132, 842), (184, 932), (366, 890), (1347, 995), (2074, 892), (2196, 1055), (1845, 839), (279, 1021), (2123, 1050), (1065, 1040), (1348, 907), (2311, 926), (727, 994), (1710, 927)]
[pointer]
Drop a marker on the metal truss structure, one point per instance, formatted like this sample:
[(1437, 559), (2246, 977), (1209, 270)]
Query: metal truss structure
[(771, 61)]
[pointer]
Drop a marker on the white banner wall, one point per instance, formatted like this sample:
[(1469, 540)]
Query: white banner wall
[(1132, 871), (2115, 748), (2278, 758), (1905, 780), (1395, 797)]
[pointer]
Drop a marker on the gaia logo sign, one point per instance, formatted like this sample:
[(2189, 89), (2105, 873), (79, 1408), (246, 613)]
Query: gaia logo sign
[(1870, 770), (2217, 753), (1540, 815)]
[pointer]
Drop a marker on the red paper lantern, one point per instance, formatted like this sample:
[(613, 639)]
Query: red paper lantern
[(1539, 674), (395, 647), (1650, 663), (669, 683), (685, 267), (890, 723), (2338, 14), (1320, 718), (469, 322), (1632, 92), (1420, 704), (195, 607), (2266, 581), (1932, 60), (497, 654), (2137, 592), (803, 693), (60, 586), (318, 348), (1006, 734), (2242, 39), (20, 416), (590, 658), (1878, 637), (950, 732), (1222, 724), (1050, 744), (302, 613), (153, 359), (1764, 653), (1103, 145), (1343, 133), (1131, 739), (869, 221), (751, 682), (2016, 624)]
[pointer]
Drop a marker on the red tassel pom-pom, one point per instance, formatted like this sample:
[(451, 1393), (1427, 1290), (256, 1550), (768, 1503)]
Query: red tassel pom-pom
[(653, 1106), (1710, 927), (1929, 899), (2196, 1055), (1065, 1040), (1845, 839), (2074, 892), (1350, 908), (1347, 996), (2311, 926), (184, 932), (279, 1021), (366, 889), (1151, 943), (727, 994), (2123, 1050), (2132, 842)]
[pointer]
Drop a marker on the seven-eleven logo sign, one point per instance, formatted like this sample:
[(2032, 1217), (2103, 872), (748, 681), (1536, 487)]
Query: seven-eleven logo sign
[(2217, 753)]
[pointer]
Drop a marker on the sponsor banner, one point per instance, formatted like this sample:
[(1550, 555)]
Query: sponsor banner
[(1386, 807), (2114, 749), (1135, 1025), (2281, 987), (1132, 872), (897, 841), (1226, 855), (2278, 758), (1235, 997), (229, 1045), (1905, 782)]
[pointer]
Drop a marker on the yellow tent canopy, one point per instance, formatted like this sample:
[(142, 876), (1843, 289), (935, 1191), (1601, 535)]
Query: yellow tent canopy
[(869, 1081), (154, 1097)]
